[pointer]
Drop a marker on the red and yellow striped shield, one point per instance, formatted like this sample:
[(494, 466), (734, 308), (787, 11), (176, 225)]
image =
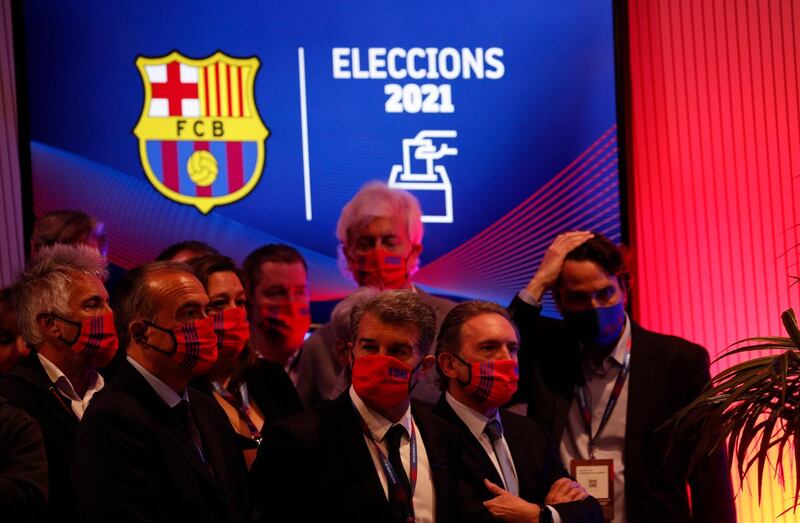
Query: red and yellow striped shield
[(201, 139)]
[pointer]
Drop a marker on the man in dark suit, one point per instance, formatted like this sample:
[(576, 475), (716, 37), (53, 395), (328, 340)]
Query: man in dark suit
[(23, 467), (380, 240), (150, 448), (510, 469), (63, 312), (600, 365), (371, 454)]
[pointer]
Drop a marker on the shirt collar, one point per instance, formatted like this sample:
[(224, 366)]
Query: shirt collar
[(377, 424), (622, 345), (63, 384), (474, 420), (164, 391), (617, 356), (292, 362)]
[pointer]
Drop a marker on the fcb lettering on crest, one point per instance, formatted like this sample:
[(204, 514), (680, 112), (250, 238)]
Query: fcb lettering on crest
[(201, 139)]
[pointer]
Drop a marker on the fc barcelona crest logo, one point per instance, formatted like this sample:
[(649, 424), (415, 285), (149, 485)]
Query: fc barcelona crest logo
[(201, 140)]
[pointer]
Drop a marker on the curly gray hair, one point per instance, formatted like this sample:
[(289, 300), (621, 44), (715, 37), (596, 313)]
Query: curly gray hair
[(44, 285)]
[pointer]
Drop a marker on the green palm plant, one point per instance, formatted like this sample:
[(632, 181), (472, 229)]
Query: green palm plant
[(753, 405)]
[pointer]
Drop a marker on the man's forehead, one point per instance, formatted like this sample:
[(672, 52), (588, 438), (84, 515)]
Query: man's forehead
[(489, 326), (373, 327), (276, 272), (84, 285), (379, 226), (585, 273), (176, 288)]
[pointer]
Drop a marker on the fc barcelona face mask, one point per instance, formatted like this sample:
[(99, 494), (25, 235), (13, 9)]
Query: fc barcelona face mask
[(96, 339), (380, 268), (491, 383), (194, 344)]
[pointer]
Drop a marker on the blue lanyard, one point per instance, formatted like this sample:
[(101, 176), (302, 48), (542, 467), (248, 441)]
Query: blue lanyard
[(243, 408), (388, 469), (583, 404)]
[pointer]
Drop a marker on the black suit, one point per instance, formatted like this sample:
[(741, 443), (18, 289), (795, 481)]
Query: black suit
[(135, 462), (23, 467), (666, 374), (29, 387), (536, 462), (317, 467)]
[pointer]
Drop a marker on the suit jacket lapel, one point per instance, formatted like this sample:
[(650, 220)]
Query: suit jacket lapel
[(559, 370), (138, 387), (443, 451), (471, 445), (520, 450), (31, 370), (364, 490), (641, 379)]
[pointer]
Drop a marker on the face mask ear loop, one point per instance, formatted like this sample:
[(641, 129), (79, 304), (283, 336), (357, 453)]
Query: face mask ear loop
[(352, 363), (411, 376), (469, 370), (159, 349), (75, 324)]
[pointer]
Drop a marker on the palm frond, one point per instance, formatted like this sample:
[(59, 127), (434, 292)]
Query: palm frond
[(753, 405)]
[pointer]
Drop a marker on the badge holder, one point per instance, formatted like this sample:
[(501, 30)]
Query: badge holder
[(597, 477)]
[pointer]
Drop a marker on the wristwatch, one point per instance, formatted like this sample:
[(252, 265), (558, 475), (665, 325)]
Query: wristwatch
[(545, 516)]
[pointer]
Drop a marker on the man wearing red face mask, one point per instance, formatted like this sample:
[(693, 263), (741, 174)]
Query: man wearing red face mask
[(280, 315), (510, 469), (380, 241), (63, 312), (372, 454), (151, 448), (605, 388)]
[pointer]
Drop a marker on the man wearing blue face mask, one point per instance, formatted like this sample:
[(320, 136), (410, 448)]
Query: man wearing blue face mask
[(605, 387)]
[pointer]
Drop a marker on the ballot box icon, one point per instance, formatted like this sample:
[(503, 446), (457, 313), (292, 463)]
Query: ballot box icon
[(422, 176)]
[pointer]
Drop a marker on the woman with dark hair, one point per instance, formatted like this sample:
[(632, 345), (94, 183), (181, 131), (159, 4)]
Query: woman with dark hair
[(253, 392)]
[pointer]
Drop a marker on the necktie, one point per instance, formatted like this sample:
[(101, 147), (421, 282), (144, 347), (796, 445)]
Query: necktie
[(495, 432), (184, 416), (400, 501)]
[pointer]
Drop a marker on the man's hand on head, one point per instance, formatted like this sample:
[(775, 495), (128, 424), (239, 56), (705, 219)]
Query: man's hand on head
[(553, 260)]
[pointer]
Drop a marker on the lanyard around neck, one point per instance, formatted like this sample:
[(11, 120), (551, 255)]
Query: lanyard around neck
[(388, 469), (586, 413), (242, 407)]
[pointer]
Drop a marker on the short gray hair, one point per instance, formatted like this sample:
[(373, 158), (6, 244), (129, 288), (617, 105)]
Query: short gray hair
[(399, 307), (44, 285), (377, 200), (134, 298), (340, 317)]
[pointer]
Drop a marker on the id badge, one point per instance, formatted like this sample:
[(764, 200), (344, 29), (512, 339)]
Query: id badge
[(597, 477)]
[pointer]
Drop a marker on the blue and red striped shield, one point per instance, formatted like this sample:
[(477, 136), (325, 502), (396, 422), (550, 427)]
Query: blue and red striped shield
[(201, 139)]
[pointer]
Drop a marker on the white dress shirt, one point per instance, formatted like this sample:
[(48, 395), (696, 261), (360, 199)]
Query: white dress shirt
[(292, 366), (611, 444), (62, 383), (476, 423), (164, 391), (424, 498)]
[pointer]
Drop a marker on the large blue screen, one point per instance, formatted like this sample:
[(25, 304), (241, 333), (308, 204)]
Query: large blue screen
[(249, 122)]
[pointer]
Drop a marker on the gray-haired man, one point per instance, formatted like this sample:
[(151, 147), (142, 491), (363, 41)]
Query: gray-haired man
[(63, 312), (380, 240)]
